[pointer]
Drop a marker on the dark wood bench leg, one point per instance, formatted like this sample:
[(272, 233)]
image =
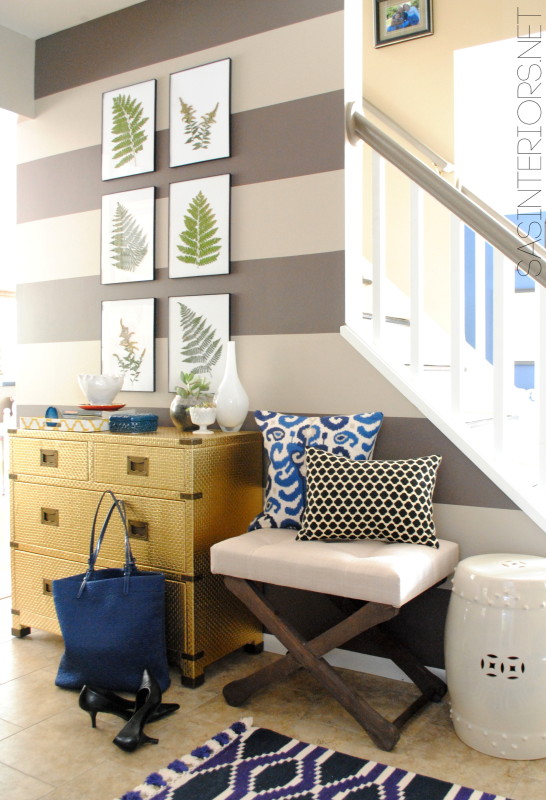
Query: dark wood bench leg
[(432, 687), (237, 692), (384, 733)]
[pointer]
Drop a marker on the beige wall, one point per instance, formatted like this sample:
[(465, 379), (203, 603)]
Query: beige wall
[(17, 62), (413, 81)]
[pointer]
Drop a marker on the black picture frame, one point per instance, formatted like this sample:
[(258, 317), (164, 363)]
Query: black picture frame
[(200, 113), (198, 323), (128, 236), (399, 22), (128, 130), (128, 342), (199, 227)]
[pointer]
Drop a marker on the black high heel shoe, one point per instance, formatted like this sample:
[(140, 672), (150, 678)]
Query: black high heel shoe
[(102, 701), (147, 700)]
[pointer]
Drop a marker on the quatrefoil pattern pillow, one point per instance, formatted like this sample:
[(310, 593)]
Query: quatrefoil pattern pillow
[(286, 437), (389, 500)]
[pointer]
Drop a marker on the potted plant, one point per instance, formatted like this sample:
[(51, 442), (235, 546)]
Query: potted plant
[(193, 402)]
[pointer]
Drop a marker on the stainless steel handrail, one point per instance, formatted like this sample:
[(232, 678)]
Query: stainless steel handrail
[(435, 158), (524, 252)]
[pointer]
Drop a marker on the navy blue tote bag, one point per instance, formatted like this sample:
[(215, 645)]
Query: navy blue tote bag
[(112, 620)]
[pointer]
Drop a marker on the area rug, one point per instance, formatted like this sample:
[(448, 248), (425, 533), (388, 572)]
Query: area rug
[(247, 763)]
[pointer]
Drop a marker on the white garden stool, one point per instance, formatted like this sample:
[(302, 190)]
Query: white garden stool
[(495, 653)]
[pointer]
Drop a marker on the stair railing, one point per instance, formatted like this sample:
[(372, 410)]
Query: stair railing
[(510, 248)]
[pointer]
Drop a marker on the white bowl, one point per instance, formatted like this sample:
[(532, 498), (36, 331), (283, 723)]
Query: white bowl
[(100, 390)]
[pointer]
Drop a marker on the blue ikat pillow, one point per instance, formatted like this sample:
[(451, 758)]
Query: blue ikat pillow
[(285, 438)]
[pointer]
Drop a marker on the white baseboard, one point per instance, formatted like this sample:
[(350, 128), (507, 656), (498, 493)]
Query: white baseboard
[(347, 659)]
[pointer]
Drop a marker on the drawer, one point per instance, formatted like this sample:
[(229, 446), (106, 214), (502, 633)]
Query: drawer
[(148, 467), (32, 594), (33, 599), (59, 518), (53, 458)]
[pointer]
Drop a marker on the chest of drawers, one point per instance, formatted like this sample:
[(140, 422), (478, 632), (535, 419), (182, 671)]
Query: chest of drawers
[(182, 493)]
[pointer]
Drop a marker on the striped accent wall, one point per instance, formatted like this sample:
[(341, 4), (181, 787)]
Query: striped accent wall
[(287, 227)]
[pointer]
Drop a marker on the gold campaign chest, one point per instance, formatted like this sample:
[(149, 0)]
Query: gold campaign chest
[(182, 492)]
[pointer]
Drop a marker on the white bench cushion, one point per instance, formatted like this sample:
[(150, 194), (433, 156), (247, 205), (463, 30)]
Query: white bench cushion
[(376, 571)]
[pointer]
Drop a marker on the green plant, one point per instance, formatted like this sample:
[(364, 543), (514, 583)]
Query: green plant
[(197, 131), (129, 245), (195, 389), (128, 136), (131, 363), (199, 244), (201, 344)]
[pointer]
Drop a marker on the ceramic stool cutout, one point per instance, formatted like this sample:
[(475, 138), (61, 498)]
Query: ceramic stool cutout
[(368, 580), (495, 649)]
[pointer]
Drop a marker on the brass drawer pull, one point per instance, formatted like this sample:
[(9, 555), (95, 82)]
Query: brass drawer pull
[(137, 466), (47, 586), (49, 516), (138, 530), (49, 458)]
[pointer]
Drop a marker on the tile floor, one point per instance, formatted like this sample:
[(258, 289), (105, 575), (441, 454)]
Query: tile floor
[(49, 750)]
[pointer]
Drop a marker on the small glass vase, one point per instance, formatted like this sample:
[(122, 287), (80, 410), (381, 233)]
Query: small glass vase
[(231, 399), (180, 415), (203, 416)]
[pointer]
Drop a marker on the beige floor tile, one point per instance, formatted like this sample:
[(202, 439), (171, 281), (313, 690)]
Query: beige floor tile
[(530, 790), (15, 785), (103, 782), (19, 657), (8, 729), (32, 698), (57, 749)]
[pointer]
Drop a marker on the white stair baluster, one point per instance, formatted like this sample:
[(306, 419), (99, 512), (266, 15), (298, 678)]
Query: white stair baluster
[(417, 279), (503, 364), (379, 244), (457, 313)]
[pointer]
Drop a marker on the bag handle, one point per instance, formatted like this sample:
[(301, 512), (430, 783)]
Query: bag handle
[(130, 564)]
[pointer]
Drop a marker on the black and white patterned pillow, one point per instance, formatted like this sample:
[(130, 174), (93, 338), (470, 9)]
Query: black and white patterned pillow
[(390, 500)]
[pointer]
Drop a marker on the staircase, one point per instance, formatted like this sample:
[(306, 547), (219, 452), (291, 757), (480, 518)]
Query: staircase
[(429, 324)]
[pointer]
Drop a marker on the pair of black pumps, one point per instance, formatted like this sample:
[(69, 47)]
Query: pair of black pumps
[(147, 707)]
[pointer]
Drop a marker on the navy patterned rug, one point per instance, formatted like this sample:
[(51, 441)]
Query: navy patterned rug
[(247, 763)]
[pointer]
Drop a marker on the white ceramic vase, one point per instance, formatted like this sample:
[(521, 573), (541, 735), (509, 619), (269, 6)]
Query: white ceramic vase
[(202, 416), (231, 399)]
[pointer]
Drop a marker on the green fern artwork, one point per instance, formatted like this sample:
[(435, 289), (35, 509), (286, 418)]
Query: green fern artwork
[(197, 130), (200, 245), (130, 363), (128, 134), (201, 345), (129, 244)]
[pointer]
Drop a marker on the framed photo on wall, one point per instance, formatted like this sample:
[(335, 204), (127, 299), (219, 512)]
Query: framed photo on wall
[(127, 345), (128, 130), (199, 112), (397, 22), (127, 236), (199, 227), (198, 336)]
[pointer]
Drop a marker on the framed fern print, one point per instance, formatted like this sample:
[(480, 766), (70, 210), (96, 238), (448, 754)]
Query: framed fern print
[(127, 236), (128, 130), (199, 227), (127, 346), (198, 336), (199, 113)]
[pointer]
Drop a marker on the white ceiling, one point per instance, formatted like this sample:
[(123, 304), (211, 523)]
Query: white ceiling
[(37, 18)]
